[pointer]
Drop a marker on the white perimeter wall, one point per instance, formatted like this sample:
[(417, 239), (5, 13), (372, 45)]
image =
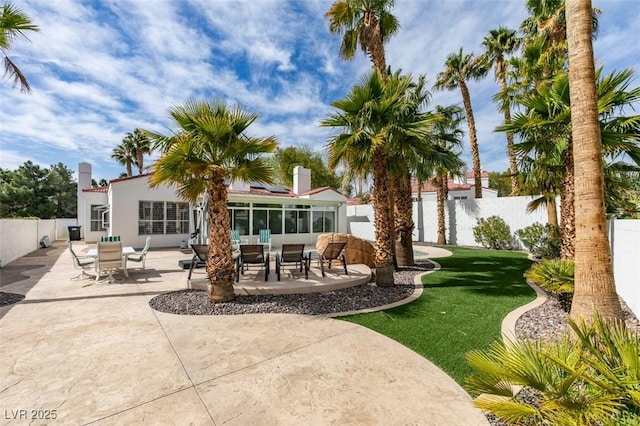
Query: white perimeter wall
[(624, 236), (22, 236)]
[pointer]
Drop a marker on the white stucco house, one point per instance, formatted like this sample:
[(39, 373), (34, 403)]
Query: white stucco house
[(463, 188), (129, 208)]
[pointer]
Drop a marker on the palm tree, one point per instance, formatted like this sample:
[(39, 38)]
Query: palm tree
[(142, 146), (364, 22), (460, 68), (594, 283), (13, 24), (210, 148), (370, 120), (449, 137), (545, 129), (498, 43), (125, 153)]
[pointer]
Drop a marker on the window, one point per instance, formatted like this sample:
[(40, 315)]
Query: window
[(459, 198), (240, 220), (267, 219), (160, 218), (324, 221), (296, 219), (99, 217)]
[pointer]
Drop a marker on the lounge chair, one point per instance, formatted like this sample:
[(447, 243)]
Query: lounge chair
[(109, 259), (200, 254), (333, 251), (292, 254), (82, 263), (264, 238), (252, 255), (139, 256)]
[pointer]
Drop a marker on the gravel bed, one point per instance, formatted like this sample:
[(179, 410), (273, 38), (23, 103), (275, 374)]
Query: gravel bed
[(196, 302), (10, 298)]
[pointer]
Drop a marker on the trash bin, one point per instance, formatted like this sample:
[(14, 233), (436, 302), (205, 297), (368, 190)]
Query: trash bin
[(74, 233)]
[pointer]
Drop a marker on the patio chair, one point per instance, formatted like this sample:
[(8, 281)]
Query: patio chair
[(252, 255), (139, 256), (292, 254), (264, 238), (81, 262), (200, 254), (235, 239), (333, 251), (109, 259)]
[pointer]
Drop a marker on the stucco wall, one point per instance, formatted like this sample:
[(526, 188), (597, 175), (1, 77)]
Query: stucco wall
[(22, 236), (124, 197), (624, 237)]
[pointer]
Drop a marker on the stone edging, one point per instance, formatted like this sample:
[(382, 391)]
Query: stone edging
[(418, 288)]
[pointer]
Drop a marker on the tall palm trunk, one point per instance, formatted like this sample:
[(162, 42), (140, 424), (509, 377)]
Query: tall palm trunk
[(473, 139), (403, 220), (511, 153), (552, 212), (594, 282), (441, 194), (567, 208), (220, 261), (382, 220)]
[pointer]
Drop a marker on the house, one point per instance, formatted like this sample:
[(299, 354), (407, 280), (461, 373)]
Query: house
[(128, 207), (459, 188)]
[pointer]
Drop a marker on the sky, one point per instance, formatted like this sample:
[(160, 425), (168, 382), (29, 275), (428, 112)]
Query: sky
[(99, 69)]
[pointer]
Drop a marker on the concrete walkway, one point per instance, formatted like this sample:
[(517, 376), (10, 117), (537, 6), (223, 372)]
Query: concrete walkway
[(99, 354)]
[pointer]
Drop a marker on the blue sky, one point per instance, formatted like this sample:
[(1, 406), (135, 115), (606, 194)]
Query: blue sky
[(99, 69)]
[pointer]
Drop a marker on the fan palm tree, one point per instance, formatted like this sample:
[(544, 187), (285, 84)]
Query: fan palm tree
[(209, 148), (545, 129), (125, 153), (498, 43), (448, 136), (594, 283), (459, 69), (370, 121), (13, 25), (142, 146), (364, 22)]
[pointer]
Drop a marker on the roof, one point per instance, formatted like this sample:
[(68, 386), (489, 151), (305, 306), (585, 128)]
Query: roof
[(428, 187), (96, 189)]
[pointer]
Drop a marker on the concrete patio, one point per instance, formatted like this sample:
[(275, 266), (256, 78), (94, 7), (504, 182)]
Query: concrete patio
[(99, 354)]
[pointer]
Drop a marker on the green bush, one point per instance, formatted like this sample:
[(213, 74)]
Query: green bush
[(542, 241), (556, 277), (492, 232), (593, 379)]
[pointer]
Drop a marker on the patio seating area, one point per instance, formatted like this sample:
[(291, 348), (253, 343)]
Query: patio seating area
[(99, 353)]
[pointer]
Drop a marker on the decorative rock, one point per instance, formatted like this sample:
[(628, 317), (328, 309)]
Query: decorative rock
[(356, 251)]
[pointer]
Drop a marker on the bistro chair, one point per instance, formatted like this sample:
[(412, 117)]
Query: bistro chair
[(252, 255), (292, 254), (139, 256), (235, 239), (333, 251), (82, 263), (264, 238), (109, 259)]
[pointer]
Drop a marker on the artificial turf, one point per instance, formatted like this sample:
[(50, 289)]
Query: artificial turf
[(461, 308)]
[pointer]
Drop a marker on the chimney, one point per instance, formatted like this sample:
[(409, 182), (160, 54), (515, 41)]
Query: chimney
[(84, 182), (301, 180)]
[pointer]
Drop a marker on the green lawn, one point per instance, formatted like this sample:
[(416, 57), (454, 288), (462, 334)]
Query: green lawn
[(461, 308)]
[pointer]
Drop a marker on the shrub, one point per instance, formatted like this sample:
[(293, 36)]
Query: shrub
[(542, 241), (591, 380), (556, 277), (492, 232)]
